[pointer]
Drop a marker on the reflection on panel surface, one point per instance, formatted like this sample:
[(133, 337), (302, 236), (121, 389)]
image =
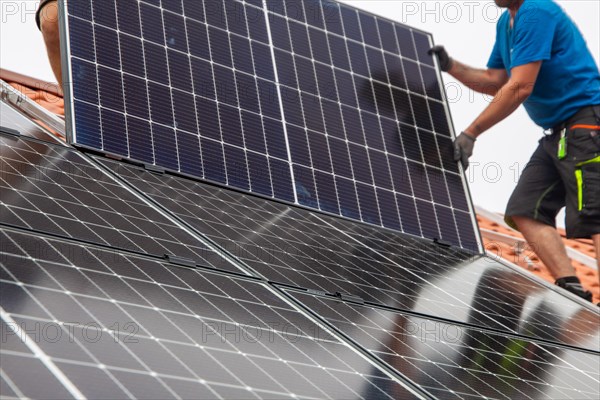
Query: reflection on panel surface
[(454, 361), (119, 325), (55, 190), (482, 291), (11, 118), (296, 247)]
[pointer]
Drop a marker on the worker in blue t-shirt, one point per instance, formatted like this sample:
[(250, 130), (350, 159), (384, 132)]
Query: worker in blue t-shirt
[(541, 60)]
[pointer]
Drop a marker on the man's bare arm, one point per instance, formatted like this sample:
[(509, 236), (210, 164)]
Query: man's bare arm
[(508, 98), (487, 81)]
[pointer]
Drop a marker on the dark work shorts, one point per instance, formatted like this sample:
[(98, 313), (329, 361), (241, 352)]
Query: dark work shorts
[(43, 4), (548, 184)]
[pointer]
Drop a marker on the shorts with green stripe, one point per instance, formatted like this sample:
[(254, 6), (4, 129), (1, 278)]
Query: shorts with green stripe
[(548, 183)]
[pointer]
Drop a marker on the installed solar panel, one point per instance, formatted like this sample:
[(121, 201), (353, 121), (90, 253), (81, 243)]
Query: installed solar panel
[(303, 101), (130, 326), (453, 361), (298, 248), (14, 120), (55, 190), (483, 291)]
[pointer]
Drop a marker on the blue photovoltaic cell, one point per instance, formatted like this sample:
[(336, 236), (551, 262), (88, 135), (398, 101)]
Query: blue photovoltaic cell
[(366, 120), (185, 85), (199, 87)]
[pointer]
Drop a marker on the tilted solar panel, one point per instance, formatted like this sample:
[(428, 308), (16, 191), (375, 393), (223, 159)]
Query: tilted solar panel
[(309, 102), (360, 95), (162, 85)]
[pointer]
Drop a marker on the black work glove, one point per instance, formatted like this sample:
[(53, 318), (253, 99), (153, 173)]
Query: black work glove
[(463, 148), (446, 61)]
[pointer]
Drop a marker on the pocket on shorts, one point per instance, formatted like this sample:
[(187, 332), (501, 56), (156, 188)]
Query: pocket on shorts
[(587, 175), (583, 141)]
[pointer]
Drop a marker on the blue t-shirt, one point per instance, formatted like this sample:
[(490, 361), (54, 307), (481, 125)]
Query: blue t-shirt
[(569, 78)]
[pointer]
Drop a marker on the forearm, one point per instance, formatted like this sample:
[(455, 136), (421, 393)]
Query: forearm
[(506, 101), (476, 79)]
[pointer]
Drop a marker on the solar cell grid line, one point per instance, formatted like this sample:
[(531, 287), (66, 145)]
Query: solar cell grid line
[(195, 100), (54, 189), (13, 119), (171, 332), (299, 248), (453, 361), (378, 152)]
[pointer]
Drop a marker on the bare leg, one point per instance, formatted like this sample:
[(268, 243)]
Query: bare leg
[(49, 25), (548, 245)]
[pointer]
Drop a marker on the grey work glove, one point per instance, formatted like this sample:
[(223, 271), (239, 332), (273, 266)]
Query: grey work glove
[(445, 60), (463, 148)]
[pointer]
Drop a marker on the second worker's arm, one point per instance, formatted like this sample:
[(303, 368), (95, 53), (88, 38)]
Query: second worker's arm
[(487, 81), (508, 98)]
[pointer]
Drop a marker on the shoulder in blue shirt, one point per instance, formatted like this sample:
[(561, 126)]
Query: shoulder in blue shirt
[(569, 78)]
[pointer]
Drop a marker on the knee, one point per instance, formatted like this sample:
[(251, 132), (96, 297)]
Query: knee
[(520, 222), (514, 220), (49, 23)]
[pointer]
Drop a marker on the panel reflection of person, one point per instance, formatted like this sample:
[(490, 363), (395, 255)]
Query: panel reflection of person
[(540, 59), (47, 21)]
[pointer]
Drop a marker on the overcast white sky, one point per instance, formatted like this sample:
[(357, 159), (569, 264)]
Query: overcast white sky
[(466, 28)]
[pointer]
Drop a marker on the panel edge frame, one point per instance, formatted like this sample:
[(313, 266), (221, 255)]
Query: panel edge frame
[(67, 73)]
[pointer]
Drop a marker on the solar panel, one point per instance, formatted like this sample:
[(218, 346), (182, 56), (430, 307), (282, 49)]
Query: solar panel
[(298, 248), (131, 326), (483, 291), (182, 87), (310, 102), (12, 119), (55, 190), (453, 361), (359, 107)]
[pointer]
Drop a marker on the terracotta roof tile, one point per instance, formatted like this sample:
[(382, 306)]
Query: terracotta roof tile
[(48, 100), (587, 275)]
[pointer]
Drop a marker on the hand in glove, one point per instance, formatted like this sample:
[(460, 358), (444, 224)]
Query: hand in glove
[(446, 61), (463, 148)]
